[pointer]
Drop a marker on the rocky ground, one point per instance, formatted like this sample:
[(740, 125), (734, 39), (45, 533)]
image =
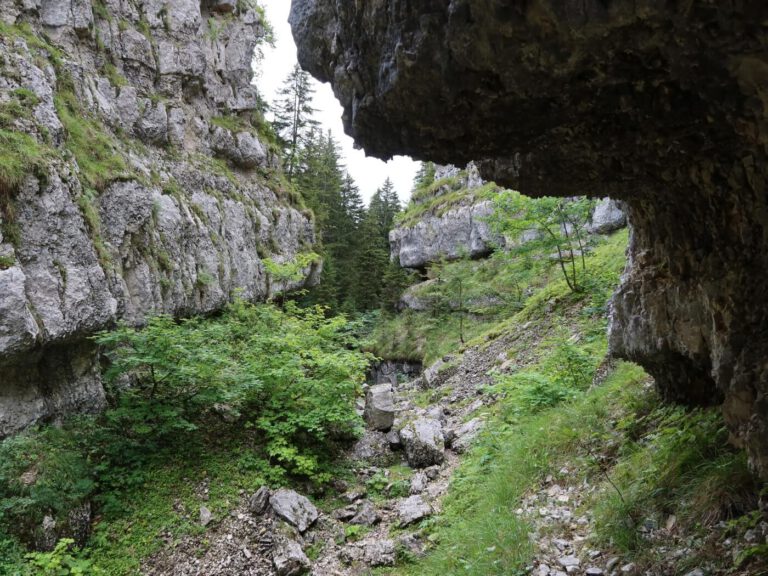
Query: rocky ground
[(402, 467)]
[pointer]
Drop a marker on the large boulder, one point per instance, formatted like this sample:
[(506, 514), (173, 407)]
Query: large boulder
[(380, 407), (423, 442), (607, 217), (622, 99)]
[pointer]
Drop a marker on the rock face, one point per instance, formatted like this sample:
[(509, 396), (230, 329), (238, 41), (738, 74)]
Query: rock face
[(450, 223), (660, 105), (158, 208)]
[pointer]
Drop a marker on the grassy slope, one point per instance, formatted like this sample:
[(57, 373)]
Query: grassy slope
[(427, 336), (665, 460)]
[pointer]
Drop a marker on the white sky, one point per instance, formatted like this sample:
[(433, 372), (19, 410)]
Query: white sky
[(369, 173)]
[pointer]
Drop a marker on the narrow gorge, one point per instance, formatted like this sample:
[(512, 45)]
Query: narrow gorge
[(660, 105), (522, 333)]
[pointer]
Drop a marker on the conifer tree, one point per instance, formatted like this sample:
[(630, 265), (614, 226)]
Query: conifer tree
[(293, 116)]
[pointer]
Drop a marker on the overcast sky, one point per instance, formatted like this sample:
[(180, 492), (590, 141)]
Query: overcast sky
[(369, 173)]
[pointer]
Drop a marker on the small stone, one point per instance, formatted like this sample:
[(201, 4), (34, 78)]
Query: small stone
[(366, 515), (543, 570), (432, 472), (418, 483), (205, 516), (412, 510), (566, 561), (380, 553), (353, 496), (393, 437), (628, 568), (695, 572), (594, 571), (345, 513), (612, 563)]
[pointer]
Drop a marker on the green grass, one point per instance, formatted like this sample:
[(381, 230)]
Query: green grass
[(479, 532), (427, 336), (92, 218), (440, 204), (6, 262), (96, 151)]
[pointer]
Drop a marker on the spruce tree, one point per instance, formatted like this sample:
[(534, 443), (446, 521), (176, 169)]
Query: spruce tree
[(293, 116)]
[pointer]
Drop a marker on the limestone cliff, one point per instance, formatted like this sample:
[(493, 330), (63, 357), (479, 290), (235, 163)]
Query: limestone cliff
[(446, 220), (135, 179), (660, 104)]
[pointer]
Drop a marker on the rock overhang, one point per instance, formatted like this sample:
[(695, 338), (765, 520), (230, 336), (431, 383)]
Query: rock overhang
[(661, 104)]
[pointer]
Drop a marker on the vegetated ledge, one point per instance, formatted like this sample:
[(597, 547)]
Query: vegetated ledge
[(662, 105), (123, 193), (446, 220)]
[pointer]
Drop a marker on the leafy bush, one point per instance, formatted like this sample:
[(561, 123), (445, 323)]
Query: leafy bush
[(567, 371), (680, 465), (41, 472), (61, 562), (290, 375)]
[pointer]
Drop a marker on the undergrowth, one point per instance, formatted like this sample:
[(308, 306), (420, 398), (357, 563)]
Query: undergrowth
[(256, 396)]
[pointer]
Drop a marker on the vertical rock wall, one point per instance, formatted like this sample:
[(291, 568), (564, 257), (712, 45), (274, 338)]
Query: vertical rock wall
[(157, 190)]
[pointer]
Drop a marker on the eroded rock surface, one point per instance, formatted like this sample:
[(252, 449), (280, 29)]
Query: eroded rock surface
[(180, 228), (661, 105)]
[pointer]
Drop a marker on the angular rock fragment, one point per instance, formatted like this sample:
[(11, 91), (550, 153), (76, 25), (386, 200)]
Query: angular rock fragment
[(413, 509), (423, 442), (289, 559), (294, 508), (258, 503), (380, 407)]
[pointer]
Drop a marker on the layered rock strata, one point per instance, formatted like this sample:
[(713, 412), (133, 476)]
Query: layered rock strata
[(661, 105), (149, 187)]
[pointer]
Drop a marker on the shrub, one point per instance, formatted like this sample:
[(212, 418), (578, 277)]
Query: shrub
[(42, 472), (291, 376), (61, 562)]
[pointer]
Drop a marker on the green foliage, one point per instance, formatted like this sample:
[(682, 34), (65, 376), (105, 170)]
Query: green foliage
[(479, 532), (113, 75), (7, 262), (20, 153), (354, 532), (673, 461), (567, 371), (100, 10), (547, 227), (441, 197), (41, 472), (61, 562), (95, 150), (294, 122), (295, 386)]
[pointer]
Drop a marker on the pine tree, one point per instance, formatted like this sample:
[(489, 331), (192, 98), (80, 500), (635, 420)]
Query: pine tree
[(293, 116)]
